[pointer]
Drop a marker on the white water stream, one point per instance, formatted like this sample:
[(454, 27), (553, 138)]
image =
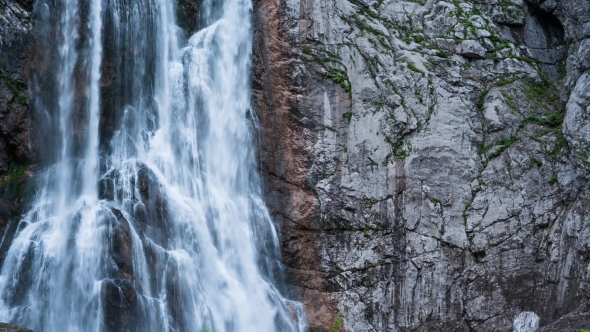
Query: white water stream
[(162, 227)]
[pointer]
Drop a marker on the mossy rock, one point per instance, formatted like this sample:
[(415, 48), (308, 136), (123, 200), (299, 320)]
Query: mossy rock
[(15, 194)]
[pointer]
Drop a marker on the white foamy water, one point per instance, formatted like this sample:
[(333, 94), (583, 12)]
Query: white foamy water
[(150, 216)]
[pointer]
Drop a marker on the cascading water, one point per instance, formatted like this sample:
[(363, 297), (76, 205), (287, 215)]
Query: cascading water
[(150, 217)]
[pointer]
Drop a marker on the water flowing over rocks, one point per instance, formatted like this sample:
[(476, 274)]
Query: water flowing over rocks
[(131, 200)]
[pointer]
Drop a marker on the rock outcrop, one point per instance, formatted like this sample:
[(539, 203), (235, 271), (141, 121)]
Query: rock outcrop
[(526, 322), (15, 124), (425, 160), (11, 328), (17, 152)]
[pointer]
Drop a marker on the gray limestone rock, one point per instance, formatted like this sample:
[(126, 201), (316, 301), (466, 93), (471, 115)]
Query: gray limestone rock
[(526, 321), (15, 19), (425, 160), (471, 49)]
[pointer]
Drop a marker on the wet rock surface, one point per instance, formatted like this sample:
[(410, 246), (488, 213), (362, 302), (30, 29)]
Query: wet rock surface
[(188, 15), (11, 328), (16, 188), (425, 160), (17, 137), (15, 118), (147, 213)]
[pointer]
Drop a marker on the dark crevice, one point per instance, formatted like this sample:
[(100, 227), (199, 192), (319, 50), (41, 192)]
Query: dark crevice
[(550, 24), (479, 255), (552, 29)]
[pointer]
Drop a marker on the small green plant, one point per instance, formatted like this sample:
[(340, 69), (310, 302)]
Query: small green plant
[(347, 115), (562, 71), (583, 330), (330, 128), (338, 322), (342, 81), (413, 68), (17, 173), (554, 119), (206, 329), (553, 179), (373, 201), (434, 200), (508, 81), (369, 29), (482, 99), (346, 87), (397, 148), (537, 161), (441, 54), (536, 89), (503, 144), (337, 79)]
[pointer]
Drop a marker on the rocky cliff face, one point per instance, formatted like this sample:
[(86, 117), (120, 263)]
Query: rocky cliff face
[(15, 124), (427, 160), (17, 151)]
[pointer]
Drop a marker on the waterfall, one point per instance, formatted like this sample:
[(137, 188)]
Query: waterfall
[(148, 215)]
